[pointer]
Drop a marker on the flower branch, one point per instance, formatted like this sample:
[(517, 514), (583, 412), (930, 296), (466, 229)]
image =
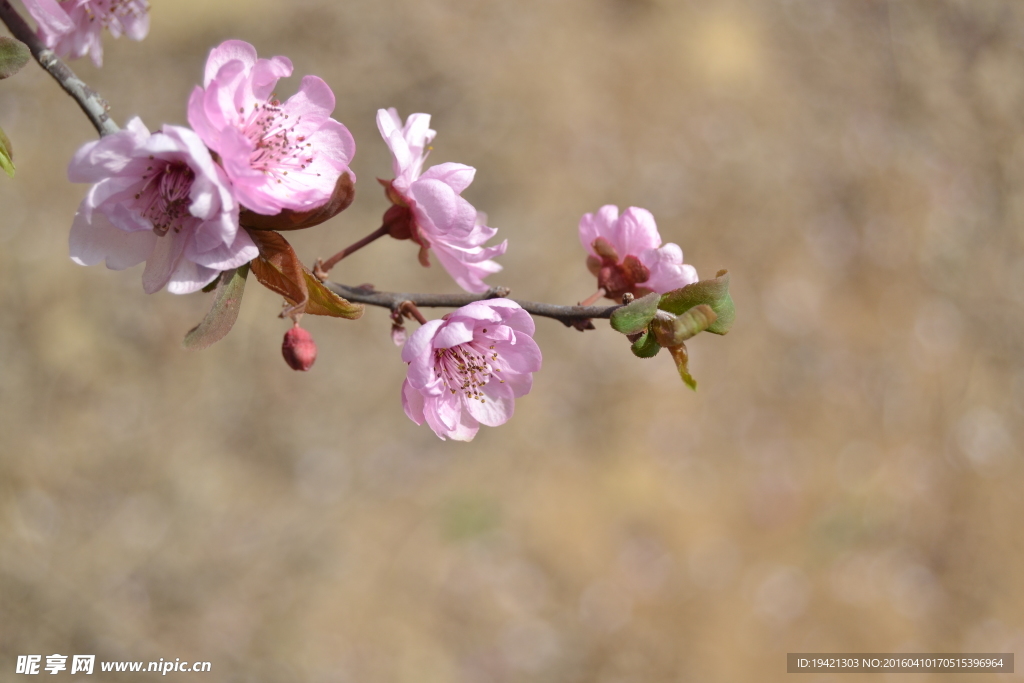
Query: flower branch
[(206, 205), (94, 106), (393, 300)]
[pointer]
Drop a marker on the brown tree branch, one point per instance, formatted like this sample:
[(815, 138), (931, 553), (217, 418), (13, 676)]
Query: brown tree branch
[(94, 106), (392, 300)]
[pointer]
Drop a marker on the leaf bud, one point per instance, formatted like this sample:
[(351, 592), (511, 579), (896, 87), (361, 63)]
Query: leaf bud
[(672, 330)]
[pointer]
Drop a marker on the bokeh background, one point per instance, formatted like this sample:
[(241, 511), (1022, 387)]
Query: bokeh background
[(846, 479)]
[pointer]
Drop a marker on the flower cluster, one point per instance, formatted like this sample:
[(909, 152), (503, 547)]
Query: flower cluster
[(163, 199), (72, 28)]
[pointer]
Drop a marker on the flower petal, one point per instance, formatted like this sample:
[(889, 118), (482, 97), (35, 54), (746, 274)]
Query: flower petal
[(412, 402), (163, 261), (523, 356), (98, 241), (497, 406), (454, 333), (421, 343), (635, 232), (594, 225), (228, 51), (190, 277), (668, 271), (456, 176)]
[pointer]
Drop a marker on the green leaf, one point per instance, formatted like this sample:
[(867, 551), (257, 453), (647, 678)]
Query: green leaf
[(323, 301), (714, 293), (227, 299), (14, 54), (672, 330), (635, 316), (646, 346), (681, 359), (6, 154)]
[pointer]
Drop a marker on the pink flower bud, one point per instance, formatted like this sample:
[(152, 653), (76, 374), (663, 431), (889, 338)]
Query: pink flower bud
[(299, 349)]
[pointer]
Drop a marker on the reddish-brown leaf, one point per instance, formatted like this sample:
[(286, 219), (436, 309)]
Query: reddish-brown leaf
[(278, 269)]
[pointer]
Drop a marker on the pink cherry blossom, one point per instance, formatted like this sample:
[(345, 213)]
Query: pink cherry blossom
[(626, 253), (73, 28), (428, 206), (468, 368), (158, 198), (278, 156)]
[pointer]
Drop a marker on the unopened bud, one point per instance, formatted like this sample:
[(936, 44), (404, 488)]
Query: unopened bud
[(299, 349), (398, 335)]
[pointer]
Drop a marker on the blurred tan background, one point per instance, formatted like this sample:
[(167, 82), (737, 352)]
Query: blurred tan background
[(847, 478)]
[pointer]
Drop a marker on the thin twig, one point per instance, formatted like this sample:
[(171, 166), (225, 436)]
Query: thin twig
[(594, 297), (321, 268), (94, 106), (566, 314), (409, 308)]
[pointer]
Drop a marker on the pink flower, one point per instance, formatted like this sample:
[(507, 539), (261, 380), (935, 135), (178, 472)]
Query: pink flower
[(72, 28), (278, 156), (428, 208), (158, 198), (626, 254), (468, 368)]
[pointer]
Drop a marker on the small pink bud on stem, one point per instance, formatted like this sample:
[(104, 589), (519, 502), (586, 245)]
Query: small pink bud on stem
[(299, 349)]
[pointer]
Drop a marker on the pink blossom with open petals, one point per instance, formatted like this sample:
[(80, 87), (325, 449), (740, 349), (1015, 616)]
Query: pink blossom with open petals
[(626, 253), (278, 156), (468, 368), (73, 28), (428, 206), (159, 198)]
